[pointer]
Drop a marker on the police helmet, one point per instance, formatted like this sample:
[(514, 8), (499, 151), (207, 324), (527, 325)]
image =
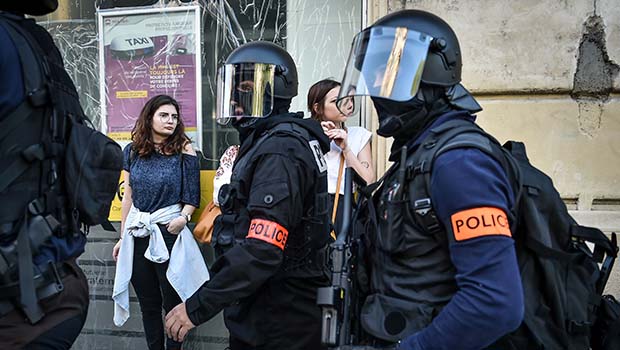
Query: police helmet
[(31, 7), (393, 56), (253, 76)]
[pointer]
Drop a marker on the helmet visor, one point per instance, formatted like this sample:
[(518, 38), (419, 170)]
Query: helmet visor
[(244, 90), (385, 62)]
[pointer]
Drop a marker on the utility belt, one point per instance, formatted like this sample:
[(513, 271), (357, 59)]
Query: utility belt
[(47, 282), (22, 284)]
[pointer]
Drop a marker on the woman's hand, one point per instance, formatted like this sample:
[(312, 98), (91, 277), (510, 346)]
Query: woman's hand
[(339, 136), (176, 225), (327, 125), (116, 249)]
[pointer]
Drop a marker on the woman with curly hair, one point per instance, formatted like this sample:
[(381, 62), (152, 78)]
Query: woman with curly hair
[(156, 251)]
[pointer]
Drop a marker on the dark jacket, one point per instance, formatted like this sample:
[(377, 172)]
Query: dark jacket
[(275, 211)]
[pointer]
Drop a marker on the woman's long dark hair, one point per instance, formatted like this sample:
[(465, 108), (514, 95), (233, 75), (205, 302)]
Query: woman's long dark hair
[(316, 94), (142, 133)]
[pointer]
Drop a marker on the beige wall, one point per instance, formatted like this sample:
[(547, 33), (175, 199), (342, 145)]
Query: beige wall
[(546, 73)]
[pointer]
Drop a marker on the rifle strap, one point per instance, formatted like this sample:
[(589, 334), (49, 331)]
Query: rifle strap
[(337, 195)]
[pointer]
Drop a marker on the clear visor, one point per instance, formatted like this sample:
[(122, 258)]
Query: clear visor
[(384, 62), (244, 90)]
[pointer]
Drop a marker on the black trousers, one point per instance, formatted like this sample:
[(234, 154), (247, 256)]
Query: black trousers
[(154, 292)]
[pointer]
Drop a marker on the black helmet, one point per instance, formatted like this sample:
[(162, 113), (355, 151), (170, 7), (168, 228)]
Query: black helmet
[(256, 79), (30, 7), (286, 82), (409, 63), (443, 62), (401, 50)]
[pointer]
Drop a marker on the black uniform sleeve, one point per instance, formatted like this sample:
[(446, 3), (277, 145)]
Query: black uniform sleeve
[(275, 202)]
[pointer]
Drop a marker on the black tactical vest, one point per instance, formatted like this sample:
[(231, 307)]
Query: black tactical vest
[(412, 277), (306, 244)]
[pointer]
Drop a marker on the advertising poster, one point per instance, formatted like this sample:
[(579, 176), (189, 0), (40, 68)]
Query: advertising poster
[(146, 52)]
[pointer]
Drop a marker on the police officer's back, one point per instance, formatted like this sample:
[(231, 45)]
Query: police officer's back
[(272, 235), (437, 280), (43, 293)]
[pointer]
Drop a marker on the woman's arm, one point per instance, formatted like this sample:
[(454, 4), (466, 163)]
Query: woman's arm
[(188, 209), (362, 164), (176, 225)]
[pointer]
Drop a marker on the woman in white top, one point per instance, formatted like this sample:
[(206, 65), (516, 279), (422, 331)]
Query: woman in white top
[(349, 143)]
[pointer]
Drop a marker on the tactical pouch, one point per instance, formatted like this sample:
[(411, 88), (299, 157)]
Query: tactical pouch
[(392, 239), (392, 319), (223, 233), (40, 230), (92, 168)]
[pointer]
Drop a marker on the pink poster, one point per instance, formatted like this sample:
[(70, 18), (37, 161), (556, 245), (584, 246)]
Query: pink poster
[(147, 52)]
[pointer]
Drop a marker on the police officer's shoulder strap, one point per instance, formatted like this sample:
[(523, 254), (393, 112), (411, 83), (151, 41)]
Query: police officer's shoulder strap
[(453, 134), (33, 73), (291, 129), (457, 133)]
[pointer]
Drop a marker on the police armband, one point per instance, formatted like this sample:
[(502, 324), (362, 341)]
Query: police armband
[(268, 231), (478, 222)]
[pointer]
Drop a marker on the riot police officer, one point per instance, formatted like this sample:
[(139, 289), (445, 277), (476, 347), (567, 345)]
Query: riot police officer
[(274, 227), (441, 284), (43, 293)]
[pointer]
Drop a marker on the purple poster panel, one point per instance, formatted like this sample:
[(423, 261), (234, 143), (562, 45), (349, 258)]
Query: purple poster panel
[(147, 54)]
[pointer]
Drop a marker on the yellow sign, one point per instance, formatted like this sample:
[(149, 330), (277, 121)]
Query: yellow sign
[(206, 194), (132, 94), (120, 136)]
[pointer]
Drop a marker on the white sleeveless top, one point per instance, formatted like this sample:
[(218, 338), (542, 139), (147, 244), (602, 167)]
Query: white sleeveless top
[(357, 138)]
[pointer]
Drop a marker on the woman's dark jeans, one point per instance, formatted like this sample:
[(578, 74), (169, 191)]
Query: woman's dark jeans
[(154, 291)]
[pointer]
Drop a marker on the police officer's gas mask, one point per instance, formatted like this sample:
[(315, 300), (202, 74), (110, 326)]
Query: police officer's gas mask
[(394, 115), (409, 117)]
